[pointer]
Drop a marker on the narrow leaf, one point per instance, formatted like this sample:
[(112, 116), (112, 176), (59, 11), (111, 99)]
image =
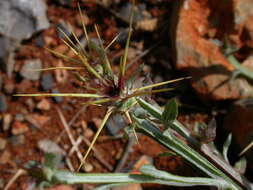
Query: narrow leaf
[(109, 112), (60, 55), (249, 146), (226, 147), (63, 95), (56, 68), (161, 83)]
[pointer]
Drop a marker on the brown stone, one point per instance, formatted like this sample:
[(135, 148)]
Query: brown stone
[(37, 120), (239, 121), (44, 104), (18, 128), (197, 53)]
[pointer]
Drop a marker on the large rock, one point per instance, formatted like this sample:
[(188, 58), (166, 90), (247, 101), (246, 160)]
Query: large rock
[(21, 18), (239, 122), (199, 29)]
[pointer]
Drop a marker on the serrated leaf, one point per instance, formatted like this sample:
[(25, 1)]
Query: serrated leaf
[(170, 112)]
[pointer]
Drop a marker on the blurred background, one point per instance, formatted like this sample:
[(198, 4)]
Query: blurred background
[(172, 38)]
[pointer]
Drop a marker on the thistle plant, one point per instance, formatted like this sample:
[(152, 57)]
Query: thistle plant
[(118, 94), (113, 91)]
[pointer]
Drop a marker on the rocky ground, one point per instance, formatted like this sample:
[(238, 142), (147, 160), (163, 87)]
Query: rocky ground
[(173, 39)]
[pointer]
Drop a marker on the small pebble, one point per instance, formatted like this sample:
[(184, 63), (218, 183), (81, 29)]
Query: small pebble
[(9, 86), (114, 124), (7, 119), (37, 121), (19, 117), (97, 121), (87, 167), (58, 99), (19, 128), (49, 146), (39, 41), (88, 133), (30, 103), (3, 103), (47, 81), (3, 143), (17, 140), (5, 157), (44, 104), (28, 67)]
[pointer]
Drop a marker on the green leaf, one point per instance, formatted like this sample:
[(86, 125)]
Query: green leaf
[(152, 110), (170, 112), (226, 147)]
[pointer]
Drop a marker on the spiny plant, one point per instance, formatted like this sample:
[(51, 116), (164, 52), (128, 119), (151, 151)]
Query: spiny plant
[(118, 93), (113, 91)]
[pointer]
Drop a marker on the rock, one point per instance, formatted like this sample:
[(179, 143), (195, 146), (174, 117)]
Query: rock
[(239, 121), (37, 120), (87, 167), (44, 104), (5, 157), (61, 75), (147, 24), (3, 143), (115, 123), (28, 67), (9, 86), (19, 117), (97, 121), (243, 16), (125, 12), (18, 128), (20, 19), (198, 24), (144, 159), (88, 133), (7, 119), (49, 146), (39, 41), (58, 99), (30, 103), (17, 140), (3, 103), (47, 81)]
